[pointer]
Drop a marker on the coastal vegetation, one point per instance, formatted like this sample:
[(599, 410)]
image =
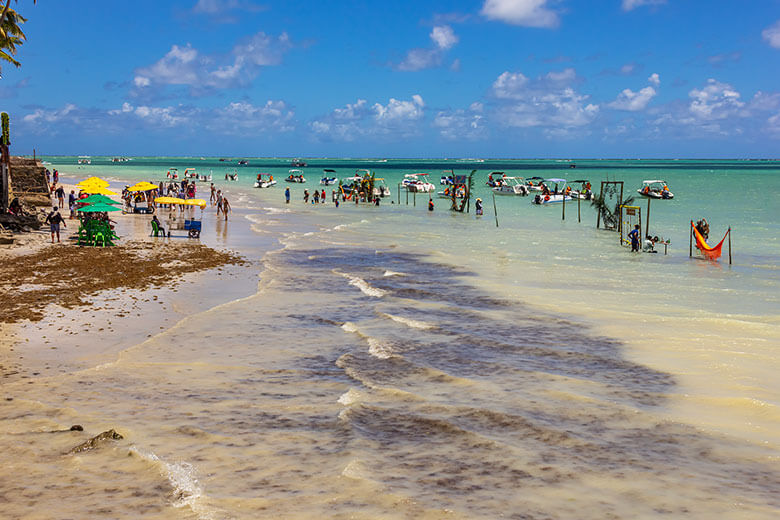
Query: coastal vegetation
[(11, 34)]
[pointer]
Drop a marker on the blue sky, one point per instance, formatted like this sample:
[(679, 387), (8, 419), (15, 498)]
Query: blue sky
[(481, 78)]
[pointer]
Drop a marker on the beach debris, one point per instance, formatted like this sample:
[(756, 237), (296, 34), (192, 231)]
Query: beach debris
[(96, 441)]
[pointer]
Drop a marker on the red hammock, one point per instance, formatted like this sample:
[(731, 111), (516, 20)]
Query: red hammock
[(712, 253)]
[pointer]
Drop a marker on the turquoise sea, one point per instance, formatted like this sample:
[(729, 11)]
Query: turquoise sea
[(393, 362)]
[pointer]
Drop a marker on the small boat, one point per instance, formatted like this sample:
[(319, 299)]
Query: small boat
[(656, 189), (231, 176), (119, 159), (297, 163), (264, 180), (295, 176), (534, 183), (173, 173), (510, 186), (415, 182), (448, 179), (560, 193), (190, 173), (584, 192), (243, 162), (223, 160), (327, 179), (84, 159), (205, 178)]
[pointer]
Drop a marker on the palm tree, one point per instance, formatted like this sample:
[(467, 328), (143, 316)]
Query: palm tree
[(11, 34)]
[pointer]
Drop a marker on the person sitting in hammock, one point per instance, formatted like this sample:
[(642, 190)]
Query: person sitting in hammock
[(703, 228)]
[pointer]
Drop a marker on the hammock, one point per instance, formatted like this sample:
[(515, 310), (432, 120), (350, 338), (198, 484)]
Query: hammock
[(710, 252)]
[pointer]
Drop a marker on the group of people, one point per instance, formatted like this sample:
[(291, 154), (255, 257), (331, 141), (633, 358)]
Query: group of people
[(220, 201)]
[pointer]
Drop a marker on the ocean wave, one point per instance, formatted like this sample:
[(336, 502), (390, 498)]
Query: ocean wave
[(182, 477), (379, 349), (393, 273), (364, 286), (350, 327), (415, 324), (349, 397)]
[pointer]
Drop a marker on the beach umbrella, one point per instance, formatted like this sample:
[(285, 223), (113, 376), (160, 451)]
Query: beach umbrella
[(97, 197), (98, 190), (93, 181), (98, 207), (195, 202), (143, 186), (169, 200)]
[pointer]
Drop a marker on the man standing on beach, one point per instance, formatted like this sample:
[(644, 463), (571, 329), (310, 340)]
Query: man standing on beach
[(213, 194), (54, 219), (60, 191), (72, 203), (219, 201)]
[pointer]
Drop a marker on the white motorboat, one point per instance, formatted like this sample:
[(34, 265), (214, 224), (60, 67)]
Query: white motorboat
[(295, 176), (655, 189), (534, 183), (85, 159), (561, 192), (190, 173), (416, 182), (173, 173), (327, 178), (510, 186), (264, 180)]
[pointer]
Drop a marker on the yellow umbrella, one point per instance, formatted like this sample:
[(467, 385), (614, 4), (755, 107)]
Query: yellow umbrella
[(143, 186), (168, 200), (195, 202), (93, 181), (97, 189), (184, 202)]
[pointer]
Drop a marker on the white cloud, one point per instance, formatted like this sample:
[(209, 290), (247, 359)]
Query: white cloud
[(715, 101), (630, 5), (396, 118), (226, 11), (509, 85), (527, 13), (41, 116), (633, 101), (772, 35), (186, 66), (549, 101), (627, 69), (655, 79), (398, 110), (460, 124), (443, 38)]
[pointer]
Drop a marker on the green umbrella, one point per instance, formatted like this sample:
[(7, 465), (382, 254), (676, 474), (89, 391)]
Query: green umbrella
[(97, 198), (98, 207)]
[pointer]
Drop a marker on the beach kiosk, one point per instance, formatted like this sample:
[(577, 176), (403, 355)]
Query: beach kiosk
[(191, 225)]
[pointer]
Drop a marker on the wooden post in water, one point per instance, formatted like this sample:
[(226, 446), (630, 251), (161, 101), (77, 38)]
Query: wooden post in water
[(407, 196), (729, 232), (495, 211), (579, 219), (399, 193), (690, 240), (563, 208), (414, 199), (647, 224)]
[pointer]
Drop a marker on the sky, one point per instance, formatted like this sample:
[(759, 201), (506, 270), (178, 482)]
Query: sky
[(457, 78)]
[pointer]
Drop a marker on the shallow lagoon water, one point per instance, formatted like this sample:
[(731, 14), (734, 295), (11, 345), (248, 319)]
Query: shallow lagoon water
[(398, 363)]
